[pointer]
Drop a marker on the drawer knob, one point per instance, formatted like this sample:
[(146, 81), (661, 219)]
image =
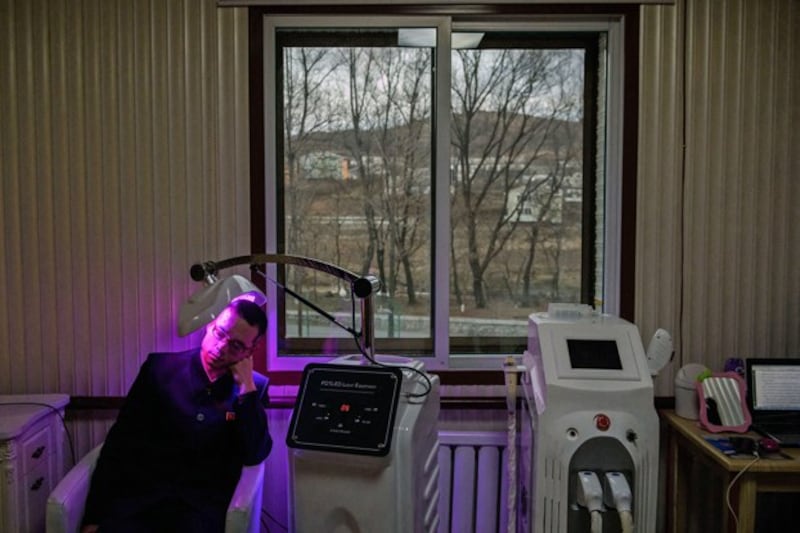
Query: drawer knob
[(38, 452), (37, 484)]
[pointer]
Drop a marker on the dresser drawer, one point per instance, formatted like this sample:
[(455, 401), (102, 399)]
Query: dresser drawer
[(31, 458), (34, 490), (36, 449)]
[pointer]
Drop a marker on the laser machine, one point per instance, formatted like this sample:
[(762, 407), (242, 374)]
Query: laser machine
[(363, 448), (363, 443), (589, 430)]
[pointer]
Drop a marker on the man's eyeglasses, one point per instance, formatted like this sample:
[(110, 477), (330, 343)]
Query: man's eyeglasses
[(236, 347)]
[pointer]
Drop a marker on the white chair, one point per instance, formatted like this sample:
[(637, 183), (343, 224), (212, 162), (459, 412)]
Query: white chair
[(65, 504)]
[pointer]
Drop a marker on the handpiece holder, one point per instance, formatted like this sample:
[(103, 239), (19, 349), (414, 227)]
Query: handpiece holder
[(364, 287), (617, 491), (589, 491)]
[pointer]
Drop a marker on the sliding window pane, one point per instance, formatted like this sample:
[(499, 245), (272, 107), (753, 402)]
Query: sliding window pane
[(518, 172), (355, 145)]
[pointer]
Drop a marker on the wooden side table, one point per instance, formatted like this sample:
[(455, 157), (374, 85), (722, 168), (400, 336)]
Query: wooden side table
[(688, 448), (32, 438)]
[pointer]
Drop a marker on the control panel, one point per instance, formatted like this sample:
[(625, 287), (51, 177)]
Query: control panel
[(346, 409)]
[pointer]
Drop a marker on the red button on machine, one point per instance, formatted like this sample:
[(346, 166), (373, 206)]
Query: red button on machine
[(602, 422)]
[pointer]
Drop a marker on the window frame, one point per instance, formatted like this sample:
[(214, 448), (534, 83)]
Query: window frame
[(621, 24)]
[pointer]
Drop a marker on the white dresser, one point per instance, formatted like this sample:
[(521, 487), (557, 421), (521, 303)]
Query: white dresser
[(32, 458)]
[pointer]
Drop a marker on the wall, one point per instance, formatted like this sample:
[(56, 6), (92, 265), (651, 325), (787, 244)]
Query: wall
[(717, 234), (124, 160)]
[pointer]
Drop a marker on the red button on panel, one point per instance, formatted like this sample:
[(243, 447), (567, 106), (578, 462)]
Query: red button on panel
[(602, 422)]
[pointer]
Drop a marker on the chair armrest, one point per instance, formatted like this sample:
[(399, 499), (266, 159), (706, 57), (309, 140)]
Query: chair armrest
[(244, 511), (66, 503)]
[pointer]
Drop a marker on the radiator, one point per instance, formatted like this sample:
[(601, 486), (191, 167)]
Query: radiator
[(473, 484)]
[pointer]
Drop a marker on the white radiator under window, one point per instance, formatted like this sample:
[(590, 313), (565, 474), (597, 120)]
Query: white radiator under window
[(473, 484)]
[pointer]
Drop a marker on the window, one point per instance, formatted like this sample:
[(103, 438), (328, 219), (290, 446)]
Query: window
[(475, 168)]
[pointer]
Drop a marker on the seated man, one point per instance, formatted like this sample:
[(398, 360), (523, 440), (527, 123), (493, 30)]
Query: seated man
[(190, 421)]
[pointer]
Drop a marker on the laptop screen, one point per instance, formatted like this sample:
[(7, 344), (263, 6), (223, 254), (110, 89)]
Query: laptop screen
[(774, 384)]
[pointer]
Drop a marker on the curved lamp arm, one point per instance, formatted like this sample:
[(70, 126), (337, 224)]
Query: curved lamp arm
[(362, 286)]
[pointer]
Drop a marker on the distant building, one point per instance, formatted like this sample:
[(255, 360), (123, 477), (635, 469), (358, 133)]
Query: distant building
[(529, 199), (325, 165)]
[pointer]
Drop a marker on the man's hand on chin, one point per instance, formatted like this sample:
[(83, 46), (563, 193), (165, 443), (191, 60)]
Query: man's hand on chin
[(243, 375)]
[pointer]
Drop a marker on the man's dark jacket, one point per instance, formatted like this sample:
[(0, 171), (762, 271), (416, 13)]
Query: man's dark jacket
[(177, 447)]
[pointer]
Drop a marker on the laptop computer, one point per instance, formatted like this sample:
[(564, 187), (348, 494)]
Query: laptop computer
[(773, 397)]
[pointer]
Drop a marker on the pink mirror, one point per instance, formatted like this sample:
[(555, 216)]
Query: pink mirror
[(723, 403)]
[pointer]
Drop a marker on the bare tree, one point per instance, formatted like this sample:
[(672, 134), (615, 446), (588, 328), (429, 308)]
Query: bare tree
[(404, 140), (305, 113), (389, 103), (566, 148), (361, 82), (500, 133), (544, 200)]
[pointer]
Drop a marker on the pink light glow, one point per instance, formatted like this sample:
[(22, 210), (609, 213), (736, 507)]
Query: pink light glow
[(249, 296), (329, 346)]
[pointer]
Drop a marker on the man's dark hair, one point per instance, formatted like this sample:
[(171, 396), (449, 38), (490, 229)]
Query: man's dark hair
[(251, 313)]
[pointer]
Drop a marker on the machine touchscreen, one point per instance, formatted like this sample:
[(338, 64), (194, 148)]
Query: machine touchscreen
[(594, 354)]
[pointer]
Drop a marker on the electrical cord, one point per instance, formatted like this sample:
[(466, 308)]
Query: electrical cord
[(60, 416), (312, 305), (626, 521), (426, 379), (733, 482), (596, 522), (352, 331), (357, 337)]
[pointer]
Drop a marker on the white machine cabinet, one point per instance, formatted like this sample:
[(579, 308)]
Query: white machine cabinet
[(31, 458), (348, 473), (588, 413)]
